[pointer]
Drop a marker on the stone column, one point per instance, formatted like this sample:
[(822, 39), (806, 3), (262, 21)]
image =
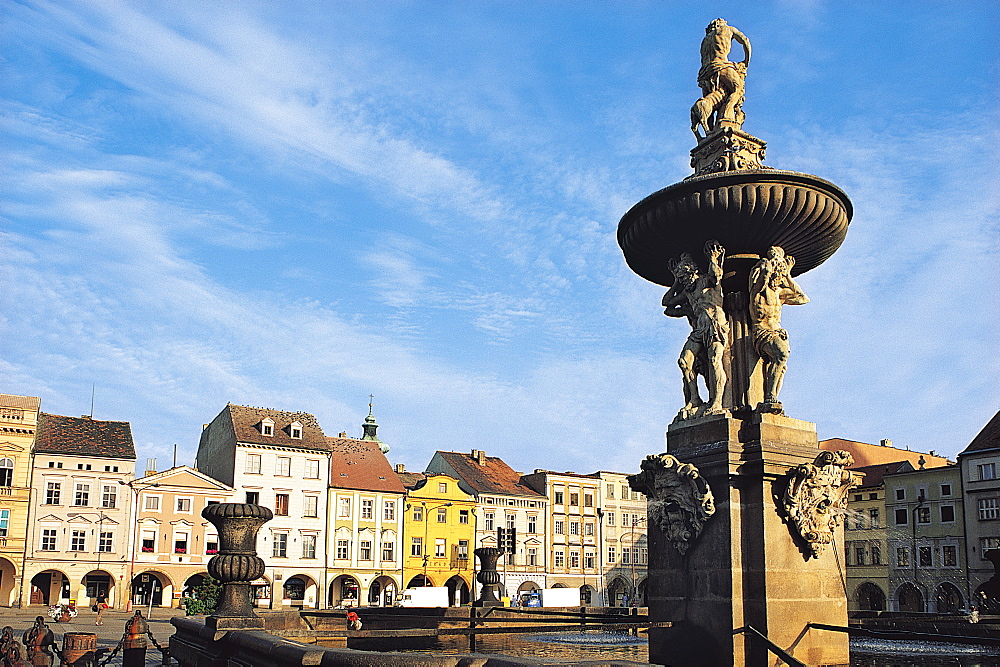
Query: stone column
[(749, 566), (488, 577), (237, 564)]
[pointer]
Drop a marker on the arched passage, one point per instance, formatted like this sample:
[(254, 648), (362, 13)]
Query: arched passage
[(909, 598), (640, 599), (619, 592), (8, 582), (95, 584), (870, 597), (152, 588), (193, 582), (458, 591), (947, 599), (299, 591), (344, 592), (49, 587), (588, 595), (382, 592), (419, 581)]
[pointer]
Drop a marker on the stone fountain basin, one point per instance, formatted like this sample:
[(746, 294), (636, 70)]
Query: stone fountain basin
[(746, 211)]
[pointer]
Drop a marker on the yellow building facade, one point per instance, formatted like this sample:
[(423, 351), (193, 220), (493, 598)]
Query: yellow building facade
[(18, 421), (438, 536)]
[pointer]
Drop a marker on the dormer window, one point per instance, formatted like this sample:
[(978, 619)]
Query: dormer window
[(267, 426), (295, 430)]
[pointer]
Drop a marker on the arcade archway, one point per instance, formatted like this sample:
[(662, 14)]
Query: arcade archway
[(8, 582), (948, 599), (49, 587), (382, 592), (344, 592), (458, 591), (909, 598), (870, 597), (152, 588)]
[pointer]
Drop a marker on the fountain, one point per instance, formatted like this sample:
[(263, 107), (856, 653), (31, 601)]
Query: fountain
[(744, 508)]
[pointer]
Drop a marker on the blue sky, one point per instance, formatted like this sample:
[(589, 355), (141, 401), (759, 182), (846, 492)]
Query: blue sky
[(297, 204)]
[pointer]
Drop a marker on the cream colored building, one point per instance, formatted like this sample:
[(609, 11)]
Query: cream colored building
[(171, 543), (624, 547), (18, 421), (78, 537)]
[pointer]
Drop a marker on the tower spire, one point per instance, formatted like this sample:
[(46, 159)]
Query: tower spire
[(371, 426)]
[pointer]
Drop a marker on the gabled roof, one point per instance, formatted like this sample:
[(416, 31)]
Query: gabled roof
[(246, 423), (361, 465), (20, 402), (188, 478), (988, 438), (494, 476), (411, 480), (83, 436), (874, 473)]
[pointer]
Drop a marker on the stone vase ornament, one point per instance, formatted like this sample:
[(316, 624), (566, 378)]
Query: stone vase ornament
[(237, 564), (488, 577), (816, 498)]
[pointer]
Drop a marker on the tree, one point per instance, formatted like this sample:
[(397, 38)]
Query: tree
[(205, 597)]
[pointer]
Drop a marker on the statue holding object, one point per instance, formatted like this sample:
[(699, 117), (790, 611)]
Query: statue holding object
[(722, 82), (771, 287), (698, 297)]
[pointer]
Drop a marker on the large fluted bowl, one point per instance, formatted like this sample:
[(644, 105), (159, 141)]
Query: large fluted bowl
[(746, 211)]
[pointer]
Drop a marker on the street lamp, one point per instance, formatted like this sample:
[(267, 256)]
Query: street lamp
[(136, 490)]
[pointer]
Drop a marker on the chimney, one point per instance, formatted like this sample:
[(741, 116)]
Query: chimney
[(86, 417), (150, 467), (342, 434), (400, 467), (480, 456), (885, 442)]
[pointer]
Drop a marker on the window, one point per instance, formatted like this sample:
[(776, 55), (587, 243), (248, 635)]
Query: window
[(532, 523), (588, 500), (900, 494), (267, 426), (574, 500), (6, 472), (295, 430), (148, 541), (283, 467), (873, 496), (949, 555), (643, 555), (308, 546), (560, 558), (611, 518), (343, 549), (279, 548), (589, 560), (211, 544), (78, 541), (440, 547), (558, 528), (902, 557), (281, 504), (48, 539), (463, 516), (876, 555), (588, 528), (152, 503), (463, 550), (253, 464), (901, 517), (626, 556), (924, 556), (253, 497), (859, 555), (4, 522), (574, 527), (109, 497), (611, 492), (416, 546), (945, 490), (987, 471), (989, 508), (532, 556), (442, 515), (418, 512), (611, 554), (873, 518), (104, 543), (367, 509), (312, 469), (923, 515), (310, 506), (388, 551), (489, 520), (559, 497), (510, 521), (344, 508), (947, 513), (442, 487), (574, 559), (180, 543), (184, 505), (53, 491), (389, 510), (365, 551), (82, 497)]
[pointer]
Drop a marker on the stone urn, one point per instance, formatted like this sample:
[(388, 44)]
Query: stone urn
[(237, 564), (488, 576)]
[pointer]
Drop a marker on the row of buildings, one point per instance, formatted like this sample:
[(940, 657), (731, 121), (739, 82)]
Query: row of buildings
[(348, 528), (920, 527)]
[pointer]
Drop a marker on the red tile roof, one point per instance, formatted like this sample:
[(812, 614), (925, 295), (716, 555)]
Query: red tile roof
[(494, 476), (84, 436), (22, 402), (875, 473), (988, 438), (866, 455), (411, 480), (361, 465), (246, 423)]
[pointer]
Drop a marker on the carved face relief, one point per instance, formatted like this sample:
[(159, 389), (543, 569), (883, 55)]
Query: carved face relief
[(680, 500), (816, 497)]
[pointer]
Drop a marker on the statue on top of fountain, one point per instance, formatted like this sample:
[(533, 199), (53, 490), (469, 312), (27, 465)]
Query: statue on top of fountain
[(722, 82), (698, 297)]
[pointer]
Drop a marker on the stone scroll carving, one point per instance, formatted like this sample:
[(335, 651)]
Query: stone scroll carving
[(816, 497), (679, 499), (771, 287), (698, 296), (722, 82)]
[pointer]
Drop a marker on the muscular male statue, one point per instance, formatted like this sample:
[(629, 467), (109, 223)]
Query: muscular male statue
[(771, 287), (699, 298), (722, 82)]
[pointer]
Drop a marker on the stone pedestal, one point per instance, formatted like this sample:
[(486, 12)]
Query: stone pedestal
[(748, 567)]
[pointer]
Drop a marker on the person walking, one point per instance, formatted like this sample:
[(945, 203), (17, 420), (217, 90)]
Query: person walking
[(102, 604)]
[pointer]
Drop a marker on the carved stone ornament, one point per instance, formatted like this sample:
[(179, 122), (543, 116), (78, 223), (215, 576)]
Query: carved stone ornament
[(680, 500), (816, 497), (728, 150)]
